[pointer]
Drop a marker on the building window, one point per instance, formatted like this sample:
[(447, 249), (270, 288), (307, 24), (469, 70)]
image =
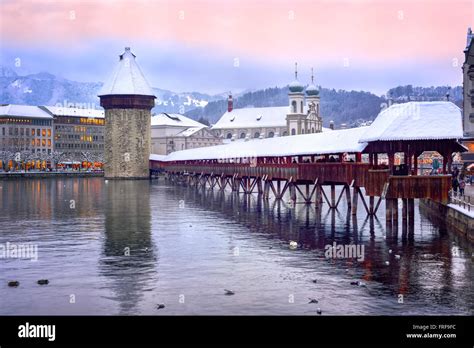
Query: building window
[(301, 107), (293, 131), (285, 133), (271, 135), (3, 131), (293, 106), (37, 142), (312, 130), (32, 131), (229, 136), (242, 135), (49, 132), (256, 135)]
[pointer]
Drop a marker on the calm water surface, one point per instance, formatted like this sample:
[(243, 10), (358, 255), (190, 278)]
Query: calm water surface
[(187, 246)]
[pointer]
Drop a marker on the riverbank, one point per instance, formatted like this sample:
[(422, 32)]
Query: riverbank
[(456, 219), (48, 175)]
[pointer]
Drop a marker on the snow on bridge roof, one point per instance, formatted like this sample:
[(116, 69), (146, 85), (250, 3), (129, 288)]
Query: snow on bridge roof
[(338, 141), (416, 121)]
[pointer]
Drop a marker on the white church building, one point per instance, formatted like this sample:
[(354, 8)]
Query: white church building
[(301, 116)]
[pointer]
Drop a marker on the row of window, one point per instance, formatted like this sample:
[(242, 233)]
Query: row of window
[(78, 129), (79, 120), (79, 146), (27, 131), (78, 137), (32, 142), (33, 121)]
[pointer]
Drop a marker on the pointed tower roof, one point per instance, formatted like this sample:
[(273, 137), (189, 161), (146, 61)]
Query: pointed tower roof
[(127, 78)]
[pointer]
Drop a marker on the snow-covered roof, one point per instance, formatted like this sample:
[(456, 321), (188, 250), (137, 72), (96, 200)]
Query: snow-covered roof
[(338, 141), (416, 121), (178, 120), (154, 157), (188, 132), (78, 112), (274, 116), (127, 78), (253, 117), (28, 111)]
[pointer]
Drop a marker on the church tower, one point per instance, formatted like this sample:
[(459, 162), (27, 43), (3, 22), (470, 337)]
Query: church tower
[(127, 99), (313, 120), (296, 117)]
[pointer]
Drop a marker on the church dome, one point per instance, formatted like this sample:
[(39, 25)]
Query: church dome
[(296, 86), (312, 90)]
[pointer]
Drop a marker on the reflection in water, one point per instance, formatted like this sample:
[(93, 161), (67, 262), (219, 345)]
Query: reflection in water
[(128, 251), (191, 244)]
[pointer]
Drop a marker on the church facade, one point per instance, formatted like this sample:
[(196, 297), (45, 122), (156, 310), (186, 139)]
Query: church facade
[(301, 116)]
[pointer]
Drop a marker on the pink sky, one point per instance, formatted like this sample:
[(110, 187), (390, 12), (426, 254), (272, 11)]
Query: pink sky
[(370, 33)]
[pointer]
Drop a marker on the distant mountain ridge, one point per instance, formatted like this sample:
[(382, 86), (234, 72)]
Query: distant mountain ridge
[(46, 89), (350, 107)]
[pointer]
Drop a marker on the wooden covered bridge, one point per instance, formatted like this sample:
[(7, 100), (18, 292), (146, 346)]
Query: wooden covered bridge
[(309, 167)]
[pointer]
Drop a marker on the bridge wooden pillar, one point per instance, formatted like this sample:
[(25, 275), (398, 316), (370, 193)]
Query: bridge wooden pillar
[(395, 214), (318, 197), (348, 196), (333, 196), (388, 210), (266, 189), (259, 186), (355, 200), (411, 213), (371, 205), (404, 210), (292, 189)]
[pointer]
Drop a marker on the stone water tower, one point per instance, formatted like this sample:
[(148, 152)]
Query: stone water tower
[(127, 99)]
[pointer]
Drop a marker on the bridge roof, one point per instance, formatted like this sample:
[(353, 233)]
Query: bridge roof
[(334, 142), (416, 121)]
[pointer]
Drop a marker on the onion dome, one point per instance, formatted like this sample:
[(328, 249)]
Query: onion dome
[(312, 89), (296, 86)]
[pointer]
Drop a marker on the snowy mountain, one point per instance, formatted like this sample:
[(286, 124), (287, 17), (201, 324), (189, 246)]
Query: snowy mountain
[(47, 89)]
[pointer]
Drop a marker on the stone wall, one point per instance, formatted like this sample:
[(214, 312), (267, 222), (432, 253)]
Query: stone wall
[(461, 223), (127, 143)]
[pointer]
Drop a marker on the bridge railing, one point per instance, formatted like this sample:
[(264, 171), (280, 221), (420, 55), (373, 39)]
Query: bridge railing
[(340, 173)]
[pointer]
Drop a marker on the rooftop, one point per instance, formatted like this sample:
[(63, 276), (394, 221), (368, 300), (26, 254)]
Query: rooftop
[(77, 112), (126, 78), (416, 121), (176, 120), (339, 141), (27, 111)]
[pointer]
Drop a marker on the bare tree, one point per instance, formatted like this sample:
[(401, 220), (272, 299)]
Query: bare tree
[(58, 157)]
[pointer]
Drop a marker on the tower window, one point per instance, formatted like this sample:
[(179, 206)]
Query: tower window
[(293, 106), (301, 107)]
